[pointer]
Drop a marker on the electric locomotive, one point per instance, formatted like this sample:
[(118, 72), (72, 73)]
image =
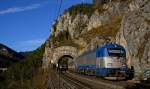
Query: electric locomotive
[(108, 61)]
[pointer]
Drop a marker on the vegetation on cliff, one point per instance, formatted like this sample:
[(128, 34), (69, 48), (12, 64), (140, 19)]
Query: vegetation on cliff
[(86, 9), (108, 30), (63, 38)]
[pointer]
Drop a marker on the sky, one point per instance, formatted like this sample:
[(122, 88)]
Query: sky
[(25, 24)]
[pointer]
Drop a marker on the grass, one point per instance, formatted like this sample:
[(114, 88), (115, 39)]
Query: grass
[(39, 81)]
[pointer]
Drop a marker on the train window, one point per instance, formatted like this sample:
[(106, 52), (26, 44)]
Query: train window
[(116, 52), (116, 55)]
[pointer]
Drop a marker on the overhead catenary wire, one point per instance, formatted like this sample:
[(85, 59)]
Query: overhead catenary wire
[(59, 9), (58, 14)]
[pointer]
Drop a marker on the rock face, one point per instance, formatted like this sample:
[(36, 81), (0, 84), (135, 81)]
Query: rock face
[(135, 36), (81, 23), (126, 22)]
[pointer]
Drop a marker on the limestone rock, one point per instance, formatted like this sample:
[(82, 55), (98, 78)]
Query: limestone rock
[(135, 36)]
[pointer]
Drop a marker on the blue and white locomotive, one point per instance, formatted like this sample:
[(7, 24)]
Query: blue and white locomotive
[(108, 61)]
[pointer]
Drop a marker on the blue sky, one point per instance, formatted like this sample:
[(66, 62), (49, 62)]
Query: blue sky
[(25, 24)]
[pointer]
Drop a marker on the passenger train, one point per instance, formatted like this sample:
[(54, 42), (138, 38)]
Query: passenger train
[(108, 61)]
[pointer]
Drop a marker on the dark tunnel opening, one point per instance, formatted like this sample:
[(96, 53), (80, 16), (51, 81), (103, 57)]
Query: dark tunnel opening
[(65, 63)]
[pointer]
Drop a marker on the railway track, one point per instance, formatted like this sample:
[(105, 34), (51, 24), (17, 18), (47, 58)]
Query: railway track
[(71, 80), (57, 80), (53, 81), (97, 83), (77, 83), (122, 83)]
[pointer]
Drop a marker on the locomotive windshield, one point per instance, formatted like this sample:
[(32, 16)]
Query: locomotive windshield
[(116, 52)]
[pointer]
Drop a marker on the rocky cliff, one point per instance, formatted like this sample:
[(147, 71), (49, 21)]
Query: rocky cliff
[(87, 26), (134, 34), (87, 23)]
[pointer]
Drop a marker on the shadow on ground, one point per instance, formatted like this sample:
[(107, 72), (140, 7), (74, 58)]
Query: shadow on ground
[(144, 84)]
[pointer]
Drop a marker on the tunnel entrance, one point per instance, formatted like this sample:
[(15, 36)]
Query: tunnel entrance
[(65, 63)]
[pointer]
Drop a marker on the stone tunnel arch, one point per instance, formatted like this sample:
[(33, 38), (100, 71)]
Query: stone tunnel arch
[(53, 55), (62, 51)]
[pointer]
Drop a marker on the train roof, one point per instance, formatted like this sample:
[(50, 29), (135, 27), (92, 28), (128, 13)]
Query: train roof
[(100, 52), (110, 45), (87, 52)]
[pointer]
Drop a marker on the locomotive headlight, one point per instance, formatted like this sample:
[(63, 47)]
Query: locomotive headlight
[(123, 65), (109, 64)]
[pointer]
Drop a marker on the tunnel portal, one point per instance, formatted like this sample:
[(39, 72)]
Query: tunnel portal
[(65, 62)]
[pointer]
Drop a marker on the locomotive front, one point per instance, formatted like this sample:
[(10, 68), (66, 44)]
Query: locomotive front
[(111, 62)]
